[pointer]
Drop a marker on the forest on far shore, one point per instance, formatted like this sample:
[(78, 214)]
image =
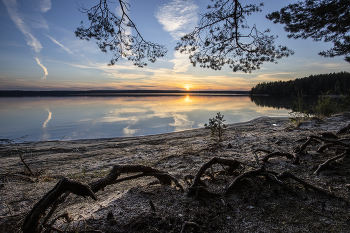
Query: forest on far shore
[(333, 83)]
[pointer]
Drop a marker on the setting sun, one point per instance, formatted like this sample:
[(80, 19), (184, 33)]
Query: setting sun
[(187, 87)]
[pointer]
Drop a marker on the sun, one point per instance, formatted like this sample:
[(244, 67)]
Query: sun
[(188, 87)]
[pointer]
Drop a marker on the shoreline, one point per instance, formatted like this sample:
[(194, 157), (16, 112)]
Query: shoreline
[(8, 141), (178, 153)]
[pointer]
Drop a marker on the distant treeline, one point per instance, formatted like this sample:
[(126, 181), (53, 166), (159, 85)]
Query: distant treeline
[(335, 83), (60, 93)]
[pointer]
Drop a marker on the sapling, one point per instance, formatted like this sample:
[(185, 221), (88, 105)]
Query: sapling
[(217, 127)]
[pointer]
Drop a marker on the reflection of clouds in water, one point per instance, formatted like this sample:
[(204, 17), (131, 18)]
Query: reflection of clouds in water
[(46, 135), (129, 132), (48, 118), (181, 122), (180, 109)]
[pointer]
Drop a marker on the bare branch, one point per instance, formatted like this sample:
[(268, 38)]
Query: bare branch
[(111, 33), (224, 37)]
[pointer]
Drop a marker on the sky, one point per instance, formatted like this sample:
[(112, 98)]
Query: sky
[(39, 50)]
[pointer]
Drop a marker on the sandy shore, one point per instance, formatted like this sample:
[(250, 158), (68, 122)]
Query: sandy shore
[(256, 208)]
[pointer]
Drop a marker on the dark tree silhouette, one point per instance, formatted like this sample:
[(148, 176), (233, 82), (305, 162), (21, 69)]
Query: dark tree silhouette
[(111, 32), (222, 37), (335, 83), (327, 20)]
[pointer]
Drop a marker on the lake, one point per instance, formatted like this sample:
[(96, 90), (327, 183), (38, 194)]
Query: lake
[(69, 118)]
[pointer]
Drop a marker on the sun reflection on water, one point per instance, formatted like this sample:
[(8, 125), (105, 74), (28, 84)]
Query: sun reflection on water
[(187, 99)]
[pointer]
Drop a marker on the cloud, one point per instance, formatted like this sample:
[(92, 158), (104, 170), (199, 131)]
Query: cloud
[(177, 17), (11, 6), (181, 62), (61, 45), (42, 66), (44, 5)]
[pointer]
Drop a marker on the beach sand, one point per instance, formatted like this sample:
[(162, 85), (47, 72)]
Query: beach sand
[(256, 206)]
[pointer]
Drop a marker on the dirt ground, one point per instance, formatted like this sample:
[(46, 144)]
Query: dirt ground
[(257, 205)]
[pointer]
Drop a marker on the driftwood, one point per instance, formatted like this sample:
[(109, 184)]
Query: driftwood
[(36, 220), (326, 163)]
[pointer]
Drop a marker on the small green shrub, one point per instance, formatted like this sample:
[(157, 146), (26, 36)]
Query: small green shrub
[(345, 99), (299, 112), (217, 127), (326, 105)]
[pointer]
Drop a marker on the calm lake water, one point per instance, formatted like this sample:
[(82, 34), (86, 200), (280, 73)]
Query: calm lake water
[(37, 118)]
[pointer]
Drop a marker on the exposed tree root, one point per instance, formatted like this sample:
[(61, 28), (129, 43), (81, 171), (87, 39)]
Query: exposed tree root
[(26, 165), (35, 220), (343, 130), (117, 170), (302, 147), (329, 135), (329, 143), (233, 185), (285, 175), (270, 175), (65, 216), (326, 164), (193, 225), (32, 224), (24, 177), (334, 142), (294, 157), (197, 181)]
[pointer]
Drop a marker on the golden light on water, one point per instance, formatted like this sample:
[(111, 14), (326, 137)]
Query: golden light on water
[(187, 99)]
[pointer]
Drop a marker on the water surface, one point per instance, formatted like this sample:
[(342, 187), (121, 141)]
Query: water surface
[(50, 118)]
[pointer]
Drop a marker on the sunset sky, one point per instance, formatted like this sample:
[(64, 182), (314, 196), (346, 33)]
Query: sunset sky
[(39, 50)]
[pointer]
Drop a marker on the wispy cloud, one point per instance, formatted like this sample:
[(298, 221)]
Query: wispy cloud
[(42, 66), (181, 62), (177, 17), (61, 45), (12, 6), (44, 5)]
